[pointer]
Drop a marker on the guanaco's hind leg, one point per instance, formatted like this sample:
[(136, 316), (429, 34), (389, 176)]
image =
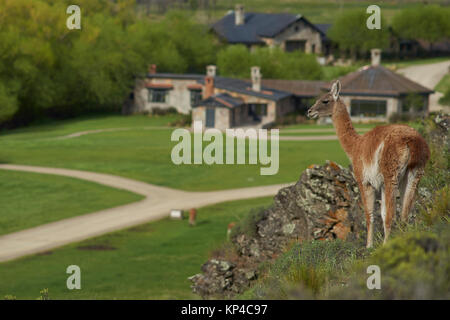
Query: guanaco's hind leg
[(411, 180), (388, 206), (368, 198)]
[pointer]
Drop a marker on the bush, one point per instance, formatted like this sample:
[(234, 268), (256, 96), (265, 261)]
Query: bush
[(398, 117), (305, 269), (236, 61), (248, 225), (156, 111), (184, 121)]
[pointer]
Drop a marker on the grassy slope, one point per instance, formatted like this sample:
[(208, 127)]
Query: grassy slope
[(443, 85), (151, 261), (318, 11), (30, 199), (145, 154), (414, 263)]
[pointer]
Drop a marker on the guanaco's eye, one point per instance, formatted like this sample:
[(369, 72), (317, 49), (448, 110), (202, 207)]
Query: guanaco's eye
[(326, 101)]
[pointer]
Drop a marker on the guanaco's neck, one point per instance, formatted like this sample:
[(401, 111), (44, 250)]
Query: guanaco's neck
[(347, 135)]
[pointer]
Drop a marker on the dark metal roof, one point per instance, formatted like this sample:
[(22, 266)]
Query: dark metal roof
[(324, 27), (256, 25), (244, 87), (222, 100), (378, 81), (301, 88), (175, 76)]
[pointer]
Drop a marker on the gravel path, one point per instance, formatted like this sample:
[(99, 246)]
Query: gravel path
[(157, 204)]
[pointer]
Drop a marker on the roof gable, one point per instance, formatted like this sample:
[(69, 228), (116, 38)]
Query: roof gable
[(378, 80), (222, 100)]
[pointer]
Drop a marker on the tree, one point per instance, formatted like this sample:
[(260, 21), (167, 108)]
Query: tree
[(48, 69), (429, 23), (351, 33), (236, 61)]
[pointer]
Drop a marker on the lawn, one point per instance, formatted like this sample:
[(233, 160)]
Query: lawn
[(151, 261), (146, 154), (30, 199), (444, 84), (318, 11)]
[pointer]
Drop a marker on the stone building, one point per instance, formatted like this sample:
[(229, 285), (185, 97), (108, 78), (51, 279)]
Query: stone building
[(374, 93), (287, 31), (220, 102), (232, 103)]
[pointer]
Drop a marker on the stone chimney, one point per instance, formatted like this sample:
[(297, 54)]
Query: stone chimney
[(239, 16), (209, 87), (152, 69), (256, 79), (375, 56), (211, 71)]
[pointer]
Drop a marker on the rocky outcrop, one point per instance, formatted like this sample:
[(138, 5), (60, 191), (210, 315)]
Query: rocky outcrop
[(323, 205)]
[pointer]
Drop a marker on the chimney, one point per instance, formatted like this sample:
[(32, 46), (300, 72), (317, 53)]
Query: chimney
[(209, 87), (211, 71), (239, 16), (376, 57), (152, 69), (256, 79)]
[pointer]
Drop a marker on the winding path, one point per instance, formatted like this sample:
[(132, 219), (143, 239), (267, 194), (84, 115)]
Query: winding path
[(157, 204)]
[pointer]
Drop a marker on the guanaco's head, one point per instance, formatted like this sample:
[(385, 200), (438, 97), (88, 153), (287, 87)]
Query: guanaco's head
[(324, 106)]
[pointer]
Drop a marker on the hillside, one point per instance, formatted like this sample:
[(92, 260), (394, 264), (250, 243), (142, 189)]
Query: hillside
[(322, 254)]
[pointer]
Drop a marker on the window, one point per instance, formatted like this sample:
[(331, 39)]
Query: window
[(157, 95), (196, 96), (257, 109), (261, 109), (368, 108)]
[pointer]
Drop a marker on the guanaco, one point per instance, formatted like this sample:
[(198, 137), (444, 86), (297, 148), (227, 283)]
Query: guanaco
[(387, 158)]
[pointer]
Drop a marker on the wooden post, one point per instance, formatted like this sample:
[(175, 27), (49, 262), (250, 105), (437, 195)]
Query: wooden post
[(192, 216), (230, 226)]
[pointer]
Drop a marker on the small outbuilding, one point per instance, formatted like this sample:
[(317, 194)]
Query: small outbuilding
[(375, 92)]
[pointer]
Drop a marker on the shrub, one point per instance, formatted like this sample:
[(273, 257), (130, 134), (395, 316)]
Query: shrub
[(156, 111), (248, 225)]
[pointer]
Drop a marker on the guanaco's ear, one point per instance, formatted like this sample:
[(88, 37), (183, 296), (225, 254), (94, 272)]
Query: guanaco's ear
[(335, 89)]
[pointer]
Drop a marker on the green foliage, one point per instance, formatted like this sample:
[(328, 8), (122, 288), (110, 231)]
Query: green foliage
[(305, 269), (351, 33), (429, 23), (49, 69), (43, 294), (444, 87), (236, 61), (248, 224)]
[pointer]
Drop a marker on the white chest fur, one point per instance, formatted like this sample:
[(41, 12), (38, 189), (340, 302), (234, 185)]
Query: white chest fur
[(371, 170)]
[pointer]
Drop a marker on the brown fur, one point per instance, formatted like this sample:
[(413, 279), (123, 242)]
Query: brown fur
[(402, 157)]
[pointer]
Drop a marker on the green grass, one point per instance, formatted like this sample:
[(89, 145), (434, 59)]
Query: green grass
[(413, 62), (146, 154), (319, 11), (30, 199), (444, 84), (308, 134), (151, 261), (329, 126)]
